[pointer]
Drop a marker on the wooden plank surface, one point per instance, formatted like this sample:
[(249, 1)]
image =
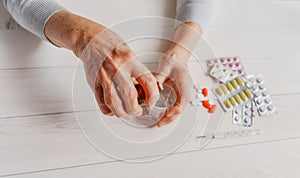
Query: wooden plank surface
[(39, 135), (241, 161), (38, 143)]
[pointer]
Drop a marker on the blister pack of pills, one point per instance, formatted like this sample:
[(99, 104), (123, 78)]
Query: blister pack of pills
[(233, 93), (221, 73), (243, 115), (233, 63), (262, 97)]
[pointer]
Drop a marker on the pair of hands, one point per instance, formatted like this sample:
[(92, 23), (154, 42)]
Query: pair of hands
[(112, 69)]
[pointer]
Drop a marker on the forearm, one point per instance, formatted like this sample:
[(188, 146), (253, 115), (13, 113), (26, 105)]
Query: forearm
[(71, 31), (197, 11), (185, 39)]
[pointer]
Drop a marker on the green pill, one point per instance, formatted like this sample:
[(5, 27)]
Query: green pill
[(238, 99), (228, 104), (235, 84), (248, 93), (229, 86), (224, 89), (240, 81), (243, 96), (232, 101)]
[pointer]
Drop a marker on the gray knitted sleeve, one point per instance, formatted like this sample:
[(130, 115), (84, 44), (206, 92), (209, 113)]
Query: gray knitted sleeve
[(194, 11), (32, 14)]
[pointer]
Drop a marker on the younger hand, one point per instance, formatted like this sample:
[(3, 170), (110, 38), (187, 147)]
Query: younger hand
[(175, 72)]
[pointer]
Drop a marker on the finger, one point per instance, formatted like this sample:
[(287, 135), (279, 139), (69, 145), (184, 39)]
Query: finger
[(149, 85), (128, 94), (100, 100), (171, 114), (110, 95), (113, 101)]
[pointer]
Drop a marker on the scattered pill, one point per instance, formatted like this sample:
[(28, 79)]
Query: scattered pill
[(205, 103), (229, 86), (235, 84), (228, 104), (212, 109), (243, 96), (205, 92), (248, 93)]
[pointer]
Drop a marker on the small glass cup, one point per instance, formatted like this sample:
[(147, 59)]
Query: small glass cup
[(150, 117)]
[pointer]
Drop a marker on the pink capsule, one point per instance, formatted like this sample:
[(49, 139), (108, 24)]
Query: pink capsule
[(228, 59), (238, 64), (241, 71), (225, 65), (222, 60), (217, 60), (210, 62), (230, 65), (235, 59)]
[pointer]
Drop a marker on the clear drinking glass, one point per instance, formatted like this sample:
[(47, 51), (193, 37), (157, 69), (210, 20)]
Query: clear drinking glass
[(150, 117)]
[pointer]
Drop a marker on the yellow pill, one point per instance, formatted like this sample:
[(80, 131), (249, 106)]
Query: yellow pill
[(235, 84), (225, 90), (248, 93), (224, 70), (238, 99), (229, 86), (243, 96), (219, 91), (240, 81), (228, 104), (232, 101)]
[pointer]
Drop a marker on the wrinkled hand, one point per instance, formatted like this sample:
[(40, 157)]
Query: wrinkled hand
[(111, 68), (176, 73)]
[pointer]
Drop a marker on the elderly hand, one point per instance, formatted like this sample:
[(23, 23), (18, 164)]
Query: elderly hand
[(110, 65)]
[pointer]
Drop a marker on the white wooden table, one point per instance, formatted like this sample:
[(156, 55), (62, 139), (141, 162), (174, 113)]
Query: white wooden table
[(39, 135)]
